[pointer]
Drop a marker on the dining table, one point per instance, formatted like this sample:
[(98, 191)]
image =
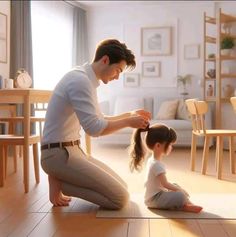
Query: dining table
[(26, 97)]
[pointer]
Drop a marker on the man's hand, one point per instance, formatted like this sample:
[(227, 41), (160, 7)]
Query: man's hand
[(139, 118), (143, 113)]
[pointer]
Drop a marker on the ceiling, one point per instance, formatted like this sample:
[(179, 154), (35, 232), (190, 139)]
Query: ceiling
[(93, 4)]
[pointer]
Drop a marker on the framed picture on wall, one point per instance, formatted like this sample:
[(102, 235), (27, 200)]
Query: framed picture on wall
[(156, 41), (131, 80), (151, 69), (3, 38), (192, 51)]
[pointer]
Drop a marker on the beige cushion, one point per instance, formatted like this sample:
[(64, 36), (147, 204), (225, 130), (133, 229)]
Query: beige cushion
[(182, 111), (168, 109)]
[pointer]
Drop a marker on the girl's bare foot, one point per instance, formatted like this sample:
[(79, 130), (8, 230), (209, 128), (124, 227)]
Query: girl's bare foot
[(192, 208), (56, 197)]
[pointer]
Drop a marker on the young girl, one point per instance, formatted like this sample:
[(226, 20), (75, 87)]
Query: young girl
[(159, 192)]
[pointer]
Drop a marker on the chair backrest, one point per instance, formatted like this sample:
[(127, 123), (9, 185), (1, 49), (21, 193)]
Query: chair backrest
[(233, 102), (7, 110), (40, 110), (197, 109)]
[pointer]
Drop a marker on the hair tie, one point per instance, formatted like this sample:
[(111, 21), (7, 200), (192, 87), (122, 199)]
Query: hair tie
[(144, 129)]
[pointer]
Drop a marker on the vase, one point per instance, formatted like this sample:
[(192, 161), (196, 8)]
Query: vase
[(226, 52), (228, 91)]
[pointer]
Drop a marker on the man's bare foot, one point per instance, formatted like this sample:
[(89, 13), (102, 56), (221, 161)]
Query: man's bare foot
[(56, 197), (192, 208)]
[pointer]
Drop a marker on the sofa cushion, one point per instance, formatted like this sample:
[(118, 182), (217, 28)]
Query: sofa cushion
[(182, 111), (167, 109), (125, 104), (177, 124)]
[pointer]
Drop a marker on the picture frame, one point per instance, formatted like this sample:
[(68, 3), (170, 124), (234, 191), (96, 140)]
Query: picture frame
[(191, 51), (210, 89), (151, 69), (3, 38), (156, 41), (131, 80)]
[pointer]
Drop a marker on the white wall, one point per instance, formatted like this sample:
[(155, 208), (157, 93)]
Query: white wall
[(124, 22), (5, 67)]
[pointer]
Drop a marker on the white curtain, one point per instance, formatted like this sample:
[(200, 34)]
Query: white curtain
[(52, 38)]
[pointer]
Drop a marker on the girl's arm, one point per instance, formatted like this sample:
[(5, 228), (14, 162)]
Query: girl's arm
[(170, 186)]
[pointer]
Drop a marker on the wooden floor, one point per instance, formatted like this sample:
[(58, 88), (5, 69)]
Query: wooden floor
[(32, 215)]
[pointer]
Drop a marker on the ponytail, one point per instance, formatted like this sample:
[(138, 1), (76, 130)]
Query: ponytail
[(158, 133), (137, 152)]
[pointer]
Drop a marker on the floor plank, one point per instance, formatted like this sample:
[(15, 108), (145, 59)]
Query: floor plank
[(229, 227), (20, 224), (138, 228), (162, 227), (212, 228), (185, 228), (74, 225)]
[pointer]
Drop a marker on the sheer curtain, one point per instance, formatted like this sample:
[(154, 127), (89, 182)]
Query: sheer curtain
[(52, 39)]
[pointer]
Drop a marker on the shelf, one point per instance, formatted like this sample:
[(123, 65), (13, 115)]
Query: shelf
[(225, 100), (210, 99), (210, 20), (210, 39), (228, 76), (209, 78), (223, 35), (227, 57), (210, 60), (222, 28), (227, 18)]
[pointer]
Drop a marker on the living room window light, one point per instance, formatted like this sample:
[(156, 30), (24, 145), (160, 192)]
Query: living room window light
[(52, 33)]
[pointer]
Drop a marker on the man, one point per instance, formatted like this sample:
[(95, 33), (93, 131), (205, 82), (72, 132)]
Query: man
[(74, 105)]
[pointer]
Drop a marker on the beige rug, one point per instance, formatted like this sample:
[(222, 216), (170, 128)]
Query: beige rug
[(215, 206)]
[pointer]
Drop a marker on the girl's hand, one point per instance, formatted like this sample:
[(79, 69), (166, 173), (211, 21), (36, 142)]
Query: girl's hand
[(184, 192)]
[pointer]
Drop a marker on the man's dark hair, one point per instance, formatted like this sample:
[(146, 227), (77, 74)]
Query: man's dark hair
[(116, 51)]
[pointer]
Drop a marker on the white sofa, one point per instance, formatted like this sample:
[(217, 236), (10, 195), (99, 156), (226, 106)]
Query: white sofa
[(158, 106)]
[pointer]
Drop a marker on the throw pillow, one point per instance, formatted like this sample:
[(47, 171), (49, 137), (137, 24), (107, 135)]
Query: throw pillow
[(182, 111), (167, 110)]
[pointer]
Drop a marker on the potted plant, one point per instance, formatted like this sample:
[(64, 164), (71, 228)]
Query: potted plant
[(182, 82), (226, 45)]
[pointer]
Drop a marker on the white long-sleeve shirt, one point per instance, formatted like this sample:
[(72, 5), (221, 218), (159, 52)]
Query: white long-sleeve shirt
[(74, 104)]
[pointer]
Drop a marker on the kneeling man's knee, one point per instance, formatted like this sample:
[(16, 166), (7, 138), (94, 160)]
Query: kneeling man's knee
[(120, 200)]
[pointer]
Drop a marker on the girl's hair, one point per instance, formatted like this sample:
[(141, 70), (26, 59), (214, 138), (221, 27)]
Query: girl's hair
[(158, 133), (116, 51)]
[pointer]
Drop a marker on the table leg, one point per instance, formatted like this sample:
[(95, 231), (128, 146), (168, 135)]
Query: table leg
[(2, 166)]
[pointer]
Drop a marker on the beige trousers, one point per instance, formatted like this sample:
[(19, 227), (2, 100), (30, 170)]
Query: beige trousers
[(85, 177)]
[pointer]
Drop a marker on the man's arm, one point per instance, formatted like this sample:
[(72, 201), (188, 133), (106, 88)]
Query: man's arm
[(133, 119), (128, 114), (116, 117)]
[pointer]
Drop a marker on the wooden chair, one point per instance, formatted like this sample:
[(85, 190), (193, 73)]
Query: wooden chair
[(11, 139), (233, 102), (198, 109), (8, 139), (9, 111)]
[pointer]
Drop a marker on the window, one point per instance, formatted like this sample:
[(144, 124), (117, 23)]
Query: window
[(52, 34)]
